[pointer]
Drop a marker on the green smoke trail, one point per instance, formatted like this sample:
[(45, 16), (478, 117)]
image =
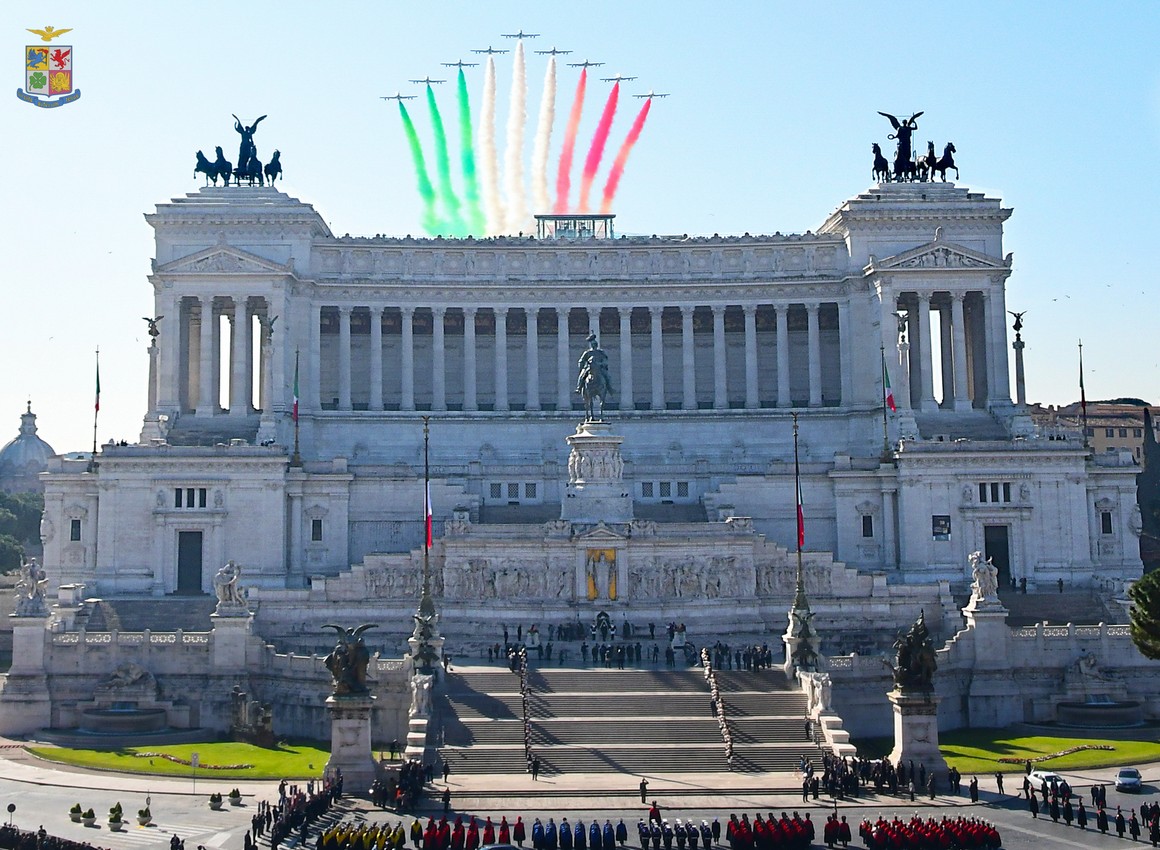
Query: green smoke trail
[(430, 220), (452, 217), (467, 157)]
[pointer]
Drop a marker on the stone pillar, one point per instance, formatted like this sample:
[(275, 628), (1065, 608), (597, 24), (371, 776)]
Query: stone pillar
[(532, 338), (657, 350), (151, 427), (720, 385), (844, 349), (990, 352), (815, 353), (783, 396), (563, 372), (314, 363), (344, 357), (948, 373), (959, 337), (916, 733), (752, 399), (376, 401), (470, 400), (350, 741), (688, 363), (1020, 386), (998, 386), (172, 355), (239, 360), (627, 401), (596, 490), (438, 361), (206, 403), (925, 355), (231, 633), (501, 376), (25, 703), (407, 378)]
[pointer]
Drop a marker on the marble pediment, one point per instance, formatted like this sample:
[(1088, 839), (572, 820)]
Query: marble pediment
[(224, 259), (601, 532), (939, 254)]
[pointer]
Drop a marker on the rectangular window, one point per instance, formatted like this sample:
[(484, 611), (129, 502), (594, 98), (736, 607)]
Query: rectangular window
[(189, 497), (682, 489), (177, 498), (867, 526), (1137, 432), (994, 492), (1109, 432), (74, 530), (666, 489), (513, 491), (530, 491), (1105, 522), (1091, 432), (316, 530), (201, 491), (1006, 492), (495, 491), (1123, 432), (983, 493), (646, 489)]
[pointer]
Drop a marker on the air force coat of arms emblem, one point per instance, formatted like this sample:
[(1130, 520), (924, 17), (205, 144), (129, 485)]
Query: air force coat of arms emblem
[(48, 71)]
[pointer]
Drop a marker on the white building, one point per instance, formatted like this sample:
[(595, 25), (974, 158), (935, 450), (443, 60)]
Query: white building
[(714, 344)]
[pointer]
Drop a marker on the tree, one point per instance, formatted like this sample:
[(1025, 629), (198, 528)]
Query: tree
[(1145, 596)]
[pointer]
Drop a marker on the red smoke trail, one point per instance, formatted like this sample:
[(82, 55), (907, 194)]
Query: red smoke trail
[(563, 181), (599, 140), (622, 157)]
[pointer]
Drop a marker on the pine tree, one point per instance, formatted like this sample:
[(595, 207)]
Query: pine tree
[(1145, 596)]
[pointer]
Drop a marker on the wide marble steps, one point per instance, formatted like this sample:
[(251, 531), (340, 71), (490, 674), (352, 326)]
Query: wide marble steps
[(620, 721)]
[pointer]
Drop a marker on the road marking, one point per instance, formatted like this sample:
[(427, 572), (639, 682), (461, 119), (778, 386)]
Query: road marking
[(1054, 841), (218, 840)]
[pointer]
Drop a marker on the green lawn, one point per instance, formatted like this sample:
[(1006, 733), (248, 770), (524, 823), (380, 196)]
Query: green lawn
[(978, 751), (289, 761)]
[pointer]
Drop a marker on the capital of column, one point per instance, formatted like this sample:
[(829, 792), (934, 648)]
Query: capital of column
[(749, 309), (439, 312), (345, 309), (407, 312), (924, 299), (812, 308)]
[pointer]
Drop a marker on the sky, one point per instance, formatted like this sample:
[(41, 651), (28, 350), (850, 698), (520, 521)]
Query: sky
[(1053, 107)]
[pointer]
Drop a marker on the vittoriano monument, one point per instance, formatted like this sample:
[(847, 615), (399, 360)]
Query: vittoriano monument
[(906, 165), (915, 704), (249, 167), (350, 707)]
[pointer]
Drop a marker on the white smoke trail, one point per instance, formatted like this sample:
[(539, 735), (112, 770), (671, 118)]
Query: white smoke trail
[(488, 158), (517, 209), (543, 139)]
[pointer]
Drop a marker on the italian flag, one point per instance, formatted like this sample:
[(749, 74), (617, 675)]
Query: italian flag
[(886, 391), (97, 401), (427, 511), (294, 411), (801, 517)]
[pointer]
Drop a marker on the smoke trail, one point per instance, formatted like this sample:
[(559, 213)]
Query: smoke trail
[(430, 220), (543, 139), (622, 157), (447, 197), (488, 162), (563, 176), (514, 153), (474, 212), (599, 140)]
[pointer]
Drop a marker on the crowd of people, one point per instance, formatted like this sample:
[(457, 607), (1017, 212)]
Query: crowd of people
[(947, 832), (402, 793), (298, 809), (1056, 804)]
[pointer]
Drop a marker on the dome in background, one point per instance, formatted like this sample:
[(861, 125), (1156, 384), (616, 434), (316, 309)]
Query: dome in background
[(24, 458)]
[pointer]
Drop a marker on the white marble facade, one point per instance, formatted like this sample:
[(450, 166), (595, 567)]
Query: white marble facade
[(713, 343)]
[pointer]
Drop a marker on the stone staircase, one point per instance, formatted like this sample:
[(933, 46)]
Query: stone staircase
[(212, 431), (620, 721), (959, 425), (1079, 607), (152, 613)]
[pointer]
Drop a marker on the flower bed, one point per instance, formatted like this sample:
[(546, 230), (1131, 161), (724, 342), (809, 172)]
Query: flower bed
[(1060, 754), (188, 763)]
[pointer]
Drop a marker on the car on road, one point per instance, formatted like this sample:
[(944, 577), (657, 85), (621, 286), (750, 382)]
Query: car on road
[(1038, 777), (1128, 779)]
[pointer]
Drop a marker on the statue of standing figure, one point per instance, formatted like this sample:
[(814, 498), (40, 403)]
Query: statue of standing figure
[(247, 151), (593, 382), (985, 578), (903, 130)]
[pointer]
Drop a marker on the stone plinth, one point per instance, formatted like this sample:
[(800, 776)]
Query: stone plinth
[(596, 490), (231, 633), (987, 618), (916, 732), (25, 705), (350, 741)]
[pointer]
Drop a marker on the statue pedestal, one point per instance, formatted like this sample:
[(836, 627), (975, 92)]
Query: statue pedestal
[(25, 703), (916, 732), (350, 741), (231, 632), (596, 491), (987, 618)]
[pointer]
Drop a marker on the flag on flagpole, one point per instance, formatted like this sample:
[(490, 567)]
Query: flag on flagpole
[(97, 402), (1082, 396), (427, 511), (294, 412), (801, 518), (886, 391)]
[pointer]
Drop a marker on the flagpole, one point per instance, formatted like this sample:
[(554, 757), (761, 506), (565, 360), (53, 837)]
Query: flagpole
[(96, 411), (885, 432), (1082, 397), (426, 603), (296, 460), (799, 590)]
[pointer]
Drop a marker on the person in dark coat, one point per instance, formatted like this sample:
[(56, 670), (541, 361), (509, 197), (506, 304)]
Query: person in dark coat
[(1067, 813), (1134, 826), (1081, 816), (565, 834), (1102, 820), (1121, 822), (1053, 808), (594, 842), (621, 833), (1033, 804)]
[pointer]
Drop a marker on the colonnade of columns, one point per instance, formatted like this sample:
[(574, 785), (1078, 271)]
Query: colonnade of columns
[(193, 345), (446, 373)]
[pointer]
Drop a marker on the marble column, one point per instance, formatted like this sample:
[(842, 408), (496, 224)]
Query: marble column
[(948, 374), (999, 386), (688, 363), (533, 358), (752, 398), (314, 363), (407, 378), (988, 353), (844, 341), (959, 341), (563, 372), (594, 321), (783, 396), (206, 403), (657, 350), (501, 376), (925, 355), (344, 358), (470, 399), (720, 385), (376, 400), (239, 359), (170, 366), (815, 354), (438, 360), (625, 388)]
